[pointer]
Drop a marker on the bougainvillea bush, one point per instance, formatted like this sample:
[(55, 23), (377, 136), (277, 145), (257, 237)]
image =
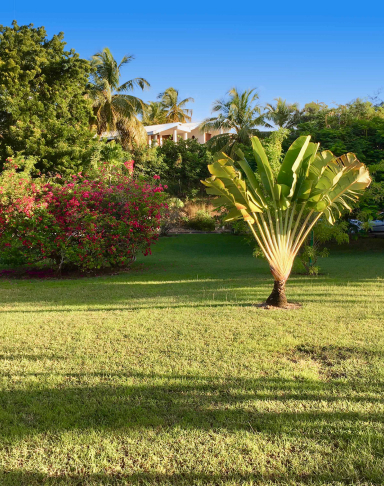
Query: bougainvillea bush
[(94, 223)]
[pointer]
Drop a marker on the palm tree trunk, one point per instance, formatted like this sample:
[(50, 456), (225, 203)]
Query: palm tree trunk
[(277, 297)]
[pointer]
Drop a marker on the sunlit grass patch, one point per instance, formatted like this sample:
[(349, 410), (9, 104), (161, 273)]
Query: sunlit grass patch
[(172, 375)]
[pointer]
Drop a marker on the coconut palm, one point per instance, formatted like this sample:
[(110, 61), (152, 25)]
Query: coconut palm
[(154, 114), (281, 211), (283, 114), (239, 113), (174, 108), (114, 109)]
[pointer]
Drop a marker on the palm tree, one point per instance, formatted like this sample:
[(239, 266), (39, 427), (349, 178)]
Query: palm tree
[(283, 114), (113, 108), (238, 113), (281, 211), (154, 114), (175, 110)]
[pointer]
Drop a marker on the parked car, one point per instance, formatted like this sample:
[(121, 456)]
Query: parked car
[(375, 226)]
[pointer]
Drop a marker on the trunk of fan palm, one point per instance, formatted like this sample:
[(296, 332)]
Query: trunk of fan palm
[(278, 297)]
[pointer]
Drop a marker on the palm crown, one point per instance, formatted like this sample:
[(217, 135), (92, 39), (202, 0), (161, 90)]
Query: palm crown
[(154, 114), (115, 110), (240, 114), (282, 211), (283, 114), (174, 108)]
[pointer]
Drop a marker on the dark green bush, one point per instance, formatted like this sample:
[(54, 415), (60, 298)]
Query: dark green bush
[(202, 221)]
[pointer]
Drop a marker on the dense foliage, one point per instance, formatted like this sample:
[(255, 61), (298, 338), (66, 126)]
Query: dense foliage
[(357, 127), (83, 223), (181, 165), (43, 108)]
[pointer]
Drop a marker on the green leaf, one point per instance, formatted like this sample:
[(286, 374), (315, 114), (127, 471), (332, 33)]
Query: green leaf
[(263, 167), (254, 185), (290, 166), (233, 214)]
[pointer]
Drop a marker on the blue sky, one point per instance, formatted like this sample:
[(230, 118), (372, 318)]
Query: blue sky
[(301, 51)]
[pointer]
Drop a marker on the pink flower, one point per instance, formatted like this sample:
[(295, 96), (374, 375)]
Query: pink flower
[(129, 165)]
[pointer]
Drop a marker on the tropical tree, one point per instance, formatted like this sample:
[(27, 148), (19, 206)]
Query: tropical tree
[(282, 210), (43, 110), (283, 114), (174, 108), (114, 109), (240, 114), (154, 114)]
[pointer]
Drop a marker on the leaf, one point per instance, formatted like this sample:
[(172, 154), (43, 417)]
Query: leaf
[(263, 167), (254, 185), (233, 214), (343, 179), (288, 173)]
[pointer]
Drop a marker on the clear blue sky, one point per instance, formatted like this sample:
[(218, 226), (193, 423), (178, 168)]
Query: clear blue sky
[(330, 51)]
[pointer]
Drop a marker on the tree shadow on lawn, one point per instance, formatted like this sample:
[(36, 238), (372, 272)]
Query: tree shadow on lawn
[(268, 405), (135, 295), (267, 478)]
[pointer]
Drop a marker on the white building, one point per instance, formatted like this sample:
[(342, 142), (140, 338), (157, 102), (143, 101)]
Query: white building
[(158, 133)]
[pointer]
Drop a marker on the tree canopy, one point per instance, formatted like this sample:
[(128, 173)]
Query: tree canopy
[(174, 108), (240, 114), (44, 110), (114, 109)]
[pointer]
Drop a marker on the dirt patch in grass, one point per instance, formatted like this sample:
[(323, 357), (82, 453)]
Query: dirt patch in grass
[(335, 362)]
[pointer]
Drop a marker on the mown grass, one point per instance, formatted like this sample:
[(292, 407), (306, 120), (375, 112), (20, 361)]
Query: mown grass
[(169, 375)]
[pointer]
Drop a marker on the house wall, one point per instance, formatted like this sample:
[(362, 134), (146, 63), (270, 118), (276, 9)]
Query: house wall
[(196, 133)]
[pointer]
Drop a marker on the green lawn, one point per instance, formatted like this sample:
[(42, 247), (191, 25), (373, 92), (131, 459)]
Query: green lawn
[(170, 375)]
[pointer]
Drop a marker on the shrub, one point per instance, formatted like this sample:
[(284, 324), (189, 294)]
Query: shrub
[(173, 216), (81, 223), (180, 164), (202, 221)]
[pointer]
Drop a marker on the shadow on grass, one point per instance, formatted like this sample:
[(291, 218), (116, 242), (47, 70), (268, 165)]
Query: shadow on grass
[(135, 295), (162, 402), (26, 478)]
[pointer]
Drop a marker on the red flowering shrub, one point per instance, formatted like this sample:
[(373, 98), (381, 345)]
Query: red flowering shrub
[(98, 223)]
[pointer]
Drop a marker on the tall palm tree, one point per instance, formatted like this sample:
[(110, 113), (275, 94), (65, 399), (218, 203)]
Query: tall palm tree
[(283, 114), (154, 114), (174, 108), (114, 109), (241, 114)]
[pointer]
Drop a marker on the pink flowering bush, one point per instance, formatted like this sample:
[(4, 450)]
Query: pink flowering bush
[(83, 223)]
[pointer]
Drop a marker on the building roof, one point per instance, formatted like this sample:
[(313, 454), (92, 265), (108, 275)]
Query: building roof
[(182, 127)]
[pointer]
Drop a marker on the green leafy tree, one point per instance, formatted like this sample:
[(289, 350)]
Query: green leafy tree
[(43, 108), (239, 114), (356, 127), (281, 211), (114, 109), (180, 165), (175, 109)]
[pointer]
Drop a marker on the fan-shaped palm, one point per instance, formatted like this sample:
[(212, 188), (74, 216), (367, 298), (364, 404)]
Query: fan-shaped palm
[(154, 114), (114, 109), (175, 110), (282, 211), (283, 114), (240, 114)]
